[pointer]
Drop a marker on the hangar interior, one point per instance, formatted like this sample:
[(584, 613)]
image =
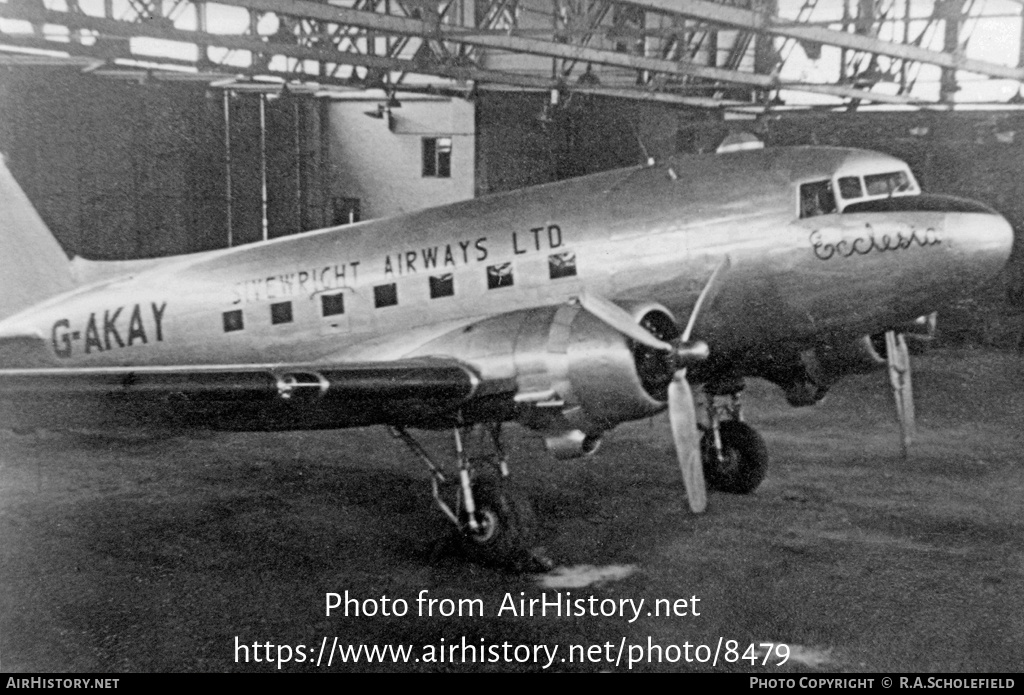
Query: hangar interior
[(144, 128)]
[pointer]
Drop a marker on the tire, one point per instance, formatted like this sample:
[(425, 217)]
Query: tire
[(744, 454), (506, 539)]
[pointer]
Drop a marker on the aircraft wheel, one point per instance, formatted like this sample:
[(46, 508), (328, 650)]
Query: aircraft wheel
[(744, 458), (506, 523)]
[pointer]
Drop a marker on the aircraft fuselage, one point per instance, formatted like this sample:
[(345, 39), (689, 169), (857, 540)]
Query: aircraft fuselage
[(384, 289)]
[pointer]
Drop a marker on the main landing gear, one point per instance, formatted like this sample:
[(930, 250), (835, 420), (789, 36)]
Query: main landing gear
[(734, 455), (496, 525)]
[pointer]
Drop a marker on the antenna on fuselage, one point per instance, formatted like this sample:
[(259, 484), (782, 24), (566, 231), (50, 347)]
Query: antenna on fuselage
[(648, 159)]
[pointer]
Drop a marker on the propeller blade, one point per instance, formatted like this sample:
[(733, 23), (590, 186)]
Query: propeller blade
[(898, 358), (682, 411), (619, 319), (711, 288), (682, 414)]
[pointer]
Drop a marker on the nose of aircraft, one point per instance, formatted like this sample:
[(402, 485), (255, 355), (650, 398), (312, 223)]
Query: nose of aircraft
[(977, 240), (983, 240)]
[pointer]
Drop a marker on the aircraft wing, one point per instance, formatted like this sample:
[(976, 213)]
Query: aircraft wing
[(428, 379), (245, 396)]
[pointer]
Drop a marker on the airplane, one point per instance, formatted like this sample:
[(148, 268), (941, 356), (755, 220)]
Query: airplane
[(568, 308)]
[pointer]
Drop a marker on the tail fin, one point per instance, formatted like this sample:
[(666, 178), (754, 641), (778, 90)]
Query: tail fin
[(33, 266)]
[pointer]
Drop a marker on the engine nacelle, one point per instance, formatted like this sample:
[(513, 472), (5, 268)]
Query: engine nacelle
[(575, 375), (574, 371), (858, 356), (806, 376)]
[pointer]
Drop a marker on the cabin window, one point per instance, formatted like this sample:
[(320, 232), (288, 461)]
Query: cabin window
[(562, 265), (887, 184), (385, 295), (332, 304), (233, 321), (281, 312), (442, 286), (817, 199), (849, 187), (437, 157), (499, 276)]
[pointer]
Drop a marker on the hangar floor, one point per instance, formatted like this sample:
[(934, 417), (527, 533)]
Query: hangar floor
[(156, 555)]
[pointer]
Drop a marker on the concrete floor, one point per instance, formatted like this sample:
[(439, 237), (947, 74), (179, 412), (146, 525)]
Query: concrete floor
[(139, 554)]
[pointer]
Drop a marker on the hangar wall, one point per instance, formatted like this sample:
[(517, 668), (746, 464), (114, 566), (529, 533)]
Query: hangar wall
[(116, 170), (296, 161), (523, 140), (137, 168), (378, 155), (124, 169)]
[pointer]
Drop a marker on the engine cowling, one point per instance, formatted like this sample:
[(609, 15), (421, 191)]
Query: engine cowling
[(579, 377), (805, 376), (576, 377)]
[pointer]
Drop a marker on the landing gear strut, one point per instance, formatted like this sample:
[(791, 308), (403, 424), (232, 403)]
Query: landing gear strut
[(734, 455), (495, 525), (503, 533)]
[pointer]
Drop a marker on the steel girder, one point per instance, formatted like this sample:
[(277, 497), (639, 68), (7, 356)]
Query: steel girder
[(683, 51)]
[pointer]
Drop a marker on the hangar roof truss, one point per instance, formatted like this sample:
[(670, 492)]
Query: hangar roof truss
[(734, 54)]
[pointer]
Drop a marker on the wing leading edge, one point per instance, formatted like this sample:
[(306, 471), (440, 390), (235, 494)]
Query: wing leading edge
[(243, 397)]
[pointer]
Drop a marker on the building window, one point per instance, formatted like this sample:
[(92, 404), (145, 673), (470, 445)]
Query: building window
[(437, 157), (562, 265), (385, 295), (281, 312), (442, 286), (233, 321), (499, 276), (332, 304)]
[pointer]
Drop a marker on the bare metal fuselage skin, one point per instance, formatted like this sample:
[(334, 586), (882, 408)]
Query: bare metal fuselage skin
[(645, 235)]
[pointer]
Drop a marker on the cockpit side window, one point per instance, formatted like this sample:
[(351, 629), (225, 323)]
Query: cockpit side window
[(887, 184), (850, 188), (817, 198)]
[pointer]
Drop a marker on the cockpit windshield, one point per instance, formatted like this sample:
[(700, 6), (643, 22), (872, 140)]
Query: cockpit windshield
[(887, 184), (817, 198), (874, 186), (870, 183), (850, 187)]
